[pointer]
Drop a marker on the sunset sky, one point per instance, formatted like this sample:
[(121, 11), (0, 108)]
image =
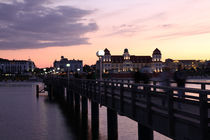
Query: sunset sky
[(43, 30)]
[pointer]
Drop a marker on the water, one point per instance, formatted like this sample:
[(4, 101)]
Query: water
[(25, 117)]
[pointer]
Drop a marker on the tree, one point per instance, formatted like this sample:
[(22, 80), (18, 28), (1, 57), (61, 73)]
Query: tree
[(87, 68)]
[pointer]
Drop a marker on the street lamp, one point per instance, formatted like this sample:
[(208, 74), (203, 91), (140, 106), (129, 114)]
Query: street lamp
[(58, 70), (68, 66), (45, 71), (100, 54)]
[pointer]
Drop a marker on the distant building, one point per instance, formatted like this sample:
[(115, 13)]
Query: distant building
[(171, 64), (16, 66), (207, 65), (156, 59), (186, 64), (75, 65), (127, 62)]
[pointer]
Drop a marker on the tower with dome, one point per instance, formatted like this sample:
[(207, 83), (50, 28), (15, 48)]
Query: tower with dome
[(156, 59)]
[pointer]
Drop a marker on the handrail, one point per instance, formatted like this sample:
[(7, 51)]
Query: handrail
[(147, 98), (171, 81), (193, 90)]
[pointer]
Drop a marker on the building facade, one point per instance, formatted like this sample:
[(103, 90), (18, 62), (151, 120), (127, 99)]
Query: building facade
[(207, 65), (186, 64), (127, 62), (156, 59), (16, 66), (75, 65)]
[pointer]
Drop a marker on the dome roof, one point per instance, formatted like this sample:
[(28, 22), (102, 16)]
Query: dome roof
[(125, 50), (107, 52), (156, 52)]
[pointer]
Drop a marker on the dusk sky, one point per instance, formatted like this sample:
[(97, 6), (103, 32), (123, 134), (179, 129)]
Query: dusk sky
[(43, 30)]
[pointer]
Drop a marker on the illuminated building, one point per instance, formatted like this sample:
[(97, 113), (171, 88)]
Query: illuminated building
[(127, 62)]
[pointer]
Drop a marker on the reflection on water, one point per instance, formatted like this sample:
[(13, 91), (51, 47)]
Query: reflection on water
[(127, 128), (24, 117)]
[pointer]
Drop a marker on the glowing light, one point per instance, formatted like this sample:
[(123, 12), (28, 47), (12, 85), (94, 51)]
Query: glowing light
[(100, 53), (67, 65)]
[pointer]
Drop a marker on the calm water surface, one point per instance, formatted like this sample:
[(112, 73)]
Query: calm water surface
[(25, 117)]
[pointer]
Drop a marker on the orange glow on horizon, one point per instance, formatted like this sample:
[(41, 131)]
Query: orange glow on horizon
[(139, 26)]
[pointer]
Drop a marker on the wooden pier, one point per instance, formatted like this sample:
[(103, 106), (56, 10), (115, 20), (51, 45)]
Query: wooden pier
[(155, 108)]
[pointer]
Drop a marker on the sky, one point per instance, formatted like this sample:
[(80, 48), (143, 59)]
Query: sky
[(45, 30)]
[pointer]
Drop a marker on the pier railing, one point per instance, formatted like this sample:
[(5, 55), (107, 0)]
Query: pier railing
[(152, 105), (198, 85)]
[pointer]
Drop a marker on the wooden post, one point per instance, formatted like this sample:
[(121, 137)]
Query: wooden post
[(121, 98), (105, 92), (99, 93), (77, 104), (87, 88), (170, 113), (94, 120), (203, 115), (148, 103), (133, 99), (82, 88), (67, 95), (84, 117), (84, 106), (91, 91), (95, 91), (71, 96), (112, 126), (144, 133), (37, 91), (50, 91), (112, 94), (154, 83), (203, 86), (60, 89), (62, 92)]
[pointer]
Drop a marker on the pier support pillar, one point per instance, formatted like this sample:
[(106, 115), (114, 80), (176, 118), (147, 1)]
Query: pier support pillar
[(77, 104), (112, 127), (144, 133), (67, 96), (94, 120), (84, 107), (62, 93), (84, 118), (37, 91), (70, 98), (50, 91)]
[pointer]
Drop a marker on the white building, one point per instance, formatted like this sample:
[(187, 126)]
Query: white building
[(127, 62), (16, 66), (156, 59), (75, 65)]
